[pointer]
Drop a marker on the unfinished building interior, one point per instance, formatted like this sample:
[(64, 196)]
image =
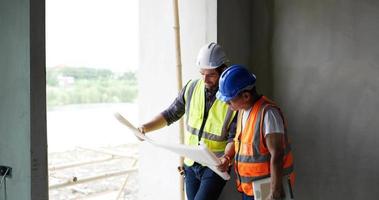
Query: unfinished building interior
[(317, 59)]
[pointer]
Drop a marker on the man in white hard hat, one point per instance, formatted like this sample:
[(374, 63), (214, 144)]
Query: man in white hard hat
[(208, 120)]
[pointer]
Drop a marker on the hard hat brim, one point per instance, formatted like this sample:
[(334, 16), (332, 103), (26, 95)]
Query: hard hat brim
[(208, 67), (222, 97)]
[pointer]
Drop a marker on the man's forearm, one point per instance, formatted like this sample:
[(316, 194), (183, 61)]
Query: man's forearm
[(226, 159), (156, 123), (229, 150), (276, 166), (274, 142)]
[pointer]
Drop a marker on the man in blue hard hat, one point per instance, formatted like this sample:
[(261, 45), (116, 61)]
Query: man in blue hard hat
[(208, 120), (262, 148)]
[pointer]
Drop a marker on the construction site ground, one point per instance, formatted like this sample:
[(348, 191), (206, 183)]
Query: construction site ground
[(105, 173)]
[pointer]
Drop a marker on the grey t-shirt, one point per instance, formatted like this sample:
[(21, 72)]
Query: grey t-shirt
[(272, 122)]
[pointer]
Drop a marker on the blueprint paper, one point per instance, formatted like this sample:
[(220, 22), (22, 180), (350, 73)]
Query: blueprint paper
[(262, 188), (200, 154), (135, 131)]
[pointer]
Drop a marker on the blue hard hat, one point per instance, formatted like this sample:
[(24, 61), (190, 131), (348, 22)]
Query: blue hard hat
[(234, 80)]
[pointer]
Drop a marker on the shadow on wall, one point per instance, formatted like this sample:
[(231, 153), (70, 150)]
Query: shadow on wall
[(247, 37)]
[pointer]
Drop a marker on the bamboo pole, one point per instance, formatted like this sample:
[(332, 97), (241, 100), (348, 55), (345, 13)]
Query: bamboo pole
[(77, 164), (121, 190), (179, 85), (76, 180)]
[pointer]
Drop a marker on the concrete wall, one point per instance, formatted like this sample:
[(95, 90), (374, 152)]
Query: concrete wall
[(326, 77), (22, 107), (319, 61), (234, 33), (158, 175), (245, 30)]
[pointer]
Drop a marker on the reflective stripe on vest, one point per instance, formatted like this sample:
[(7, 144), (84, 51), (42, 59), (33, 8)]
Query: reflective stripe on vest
[(216, 128), (253, 158)]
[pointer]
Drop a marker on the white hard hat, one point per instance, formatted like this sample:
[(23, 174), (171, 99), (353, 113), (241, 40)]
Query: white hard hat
[(211, 56)]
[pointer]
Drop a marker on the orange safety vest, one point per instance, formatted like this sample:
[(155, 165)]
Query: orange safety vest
[(252, 160)]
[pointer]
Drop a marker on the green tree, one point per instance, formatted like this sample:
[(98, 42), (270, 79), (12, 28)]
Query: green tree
[(89, 86)]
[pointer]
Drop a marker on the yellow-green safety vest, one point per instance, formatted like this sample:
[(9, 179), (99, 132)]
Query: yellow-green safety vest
[(216, 128)]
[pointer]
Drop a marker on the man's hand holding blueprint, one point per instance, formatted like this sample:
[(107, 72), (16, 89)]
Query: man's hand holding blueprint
[(200, 154)]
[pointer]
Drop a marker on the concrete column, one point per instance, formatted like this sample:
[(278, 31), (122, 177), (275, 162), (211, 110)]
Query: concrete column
[(158, 175), (22, 110)]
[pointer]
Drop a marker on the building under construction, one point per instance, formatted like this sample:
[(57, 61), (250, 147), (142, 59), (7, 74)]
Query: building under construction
[(317, 59)]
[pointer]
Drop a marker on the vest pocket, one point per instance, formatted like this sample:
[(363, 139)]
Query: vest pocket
[(213, 128), (246, 149)]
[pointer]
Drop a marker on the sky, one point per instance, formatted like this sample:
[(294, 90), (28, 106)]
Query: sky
[(92, 33)]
